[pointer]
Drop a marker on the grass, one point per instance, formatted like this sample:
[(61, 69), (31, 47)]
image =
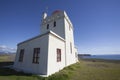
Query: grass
[(5, 58), (89, 69), (97, 70)]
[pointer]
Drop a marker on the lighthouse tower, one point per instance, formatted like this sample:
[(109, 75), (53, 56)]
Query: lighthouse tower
[(50, 51), (60, 24)]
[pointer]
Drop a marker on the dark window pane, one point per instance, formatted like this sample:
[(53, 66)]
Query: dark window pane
[(54, 23), (58, 55), (36, 55), (21, 55), (47, 26)]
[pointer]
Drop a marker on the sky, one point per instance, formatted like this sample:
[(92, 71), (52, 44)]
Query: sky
[(96, 23)]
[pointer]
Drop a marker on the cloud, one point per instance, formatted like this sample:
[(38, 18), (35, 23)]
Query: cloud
[(4, 48)]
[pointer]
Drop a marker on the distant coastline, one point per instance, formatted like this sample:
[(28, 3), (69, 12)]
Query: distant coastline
[(84, 54), (107, 57)]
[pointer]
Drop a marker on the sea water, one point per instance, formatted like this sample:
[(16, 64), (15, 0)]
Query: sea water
[(110, 57)]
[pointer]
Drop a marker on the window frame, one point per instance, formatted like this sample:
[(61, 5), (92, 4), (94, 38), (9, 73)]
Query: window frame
[(21, 55), (36, 57), (54, 23), (58, 55), (47, 26)]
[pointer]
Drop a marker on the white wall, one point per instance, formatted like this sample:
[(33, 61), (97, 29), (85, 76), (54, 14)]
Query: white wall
[(53, 65), (58, 29), (27, 65), (62, 29), (69, 37), (76, 54)]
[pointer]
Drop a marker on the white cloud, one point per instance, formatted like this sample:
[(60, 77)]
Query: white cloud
[(4, 48)]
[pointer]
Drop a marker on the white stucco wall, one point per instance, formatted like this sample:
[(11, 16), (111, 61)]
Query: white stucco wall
[(69, 37), (76, 54), (27, 65), (53, 65), (63, 24), (58, 29)]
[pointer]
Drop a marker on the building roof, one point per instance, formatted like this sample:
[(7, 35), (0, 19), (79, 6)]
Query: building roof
[(56, 11), (49, 32), (57, 14)]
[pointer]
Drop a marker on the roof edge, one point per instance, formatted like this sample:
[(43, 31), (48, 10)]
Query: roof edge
[(49, 32)]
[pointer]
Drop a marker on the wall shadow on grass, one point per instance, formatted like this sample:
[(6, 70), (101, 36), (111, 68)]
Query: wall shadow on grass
[(6, 71)]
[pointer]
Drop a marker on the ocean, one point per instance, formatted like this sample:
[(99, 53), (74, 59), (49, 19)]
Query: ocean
[(108, 57)]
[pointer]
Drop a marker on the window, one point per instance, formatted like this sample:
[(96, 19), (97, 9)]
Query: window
[(54, 23), (36, 55), (58, 55), (47, 26), (71, 47), (21, 55)]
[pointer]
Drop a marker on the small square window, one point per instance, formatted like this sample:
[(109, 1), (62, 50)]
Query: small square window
[(47, 26), (54, 23)]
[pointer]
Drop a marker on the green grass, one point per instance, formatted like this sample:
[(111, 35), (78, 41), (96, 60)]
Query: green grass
[(4, 58), (97, 70), (83, 70)]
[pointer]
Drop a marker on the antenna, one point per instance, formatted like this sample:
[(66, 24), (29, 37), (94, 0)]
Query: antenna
[(45, 13)]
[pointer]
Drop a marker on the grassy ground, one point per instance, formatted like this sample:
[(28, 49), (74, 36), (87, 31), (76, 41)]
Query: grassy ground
[(90, 69), (5, 58), (97, 70)]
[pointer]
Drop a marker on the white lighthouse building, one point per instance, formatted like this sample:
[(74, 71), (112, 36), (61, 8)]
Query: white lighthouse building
[(50, 51)]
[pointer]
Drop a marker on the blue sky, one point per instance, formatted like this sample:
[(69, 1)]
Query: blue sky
[(96, 22)]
